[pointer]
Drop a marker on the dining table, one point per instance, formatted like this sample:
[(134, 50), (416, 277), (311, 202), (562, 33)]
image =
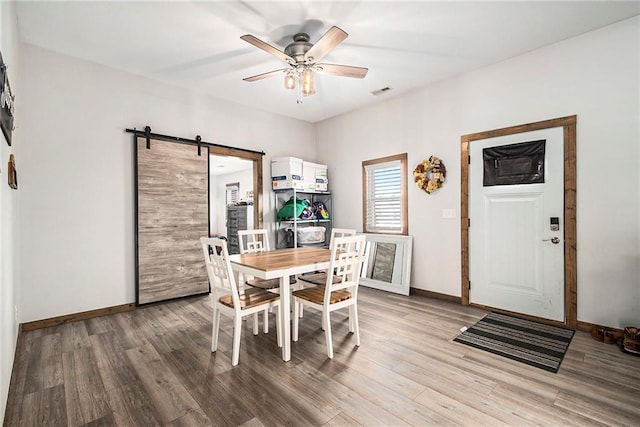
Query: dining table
[(282, 264)]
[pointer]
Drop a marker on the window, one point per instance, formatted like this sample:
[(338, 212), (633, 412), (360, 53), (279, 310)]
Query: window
[(232, 193), (384, 189)]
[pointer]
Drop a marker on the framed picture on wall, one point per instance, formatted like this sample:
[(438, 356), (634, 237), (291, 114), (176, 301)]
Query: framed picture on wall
[(6, 102)]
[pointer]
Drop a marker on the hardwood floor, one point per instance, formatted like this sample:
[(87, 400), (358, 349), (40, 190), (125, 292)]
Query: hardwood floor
[(153, 366)]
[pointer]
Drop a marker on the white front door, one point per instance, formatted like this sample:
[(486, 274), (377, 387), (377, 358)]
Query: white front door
[(516, 259)]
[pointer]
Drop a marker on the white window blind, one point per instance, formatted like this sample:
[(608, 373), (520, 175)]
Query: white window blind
[(232, 191), (384, 197)]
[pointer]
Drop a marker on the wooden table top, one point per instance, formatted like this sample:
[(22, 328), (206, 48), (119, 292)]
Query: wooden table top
[(283, 258)]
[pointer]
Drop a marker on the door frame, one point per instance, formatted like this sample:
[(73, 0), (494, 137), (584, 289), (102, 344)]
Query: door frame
[(256, 157), (568, 124)]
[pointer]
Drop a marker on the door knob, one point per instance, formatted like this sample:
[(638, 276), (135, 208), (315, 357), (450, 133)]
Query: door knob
[(554, 240)]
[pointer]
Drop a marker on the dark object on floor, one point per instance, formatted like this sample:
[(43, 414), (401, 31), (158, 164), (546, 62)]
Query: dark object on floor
[(526, 341), (597, 334), (630, 342), (611, 336), (608, 336)]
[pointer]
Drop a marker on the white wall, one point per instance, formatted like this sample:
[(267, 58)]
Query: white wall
[(596, 77), (76, 173), (9, 207)]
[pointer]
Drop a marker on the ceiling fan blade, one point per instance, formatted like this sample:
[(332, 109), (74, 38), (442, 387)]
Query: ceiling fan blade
[(264, 75), (327, 42), (267, 48), (341, 70)]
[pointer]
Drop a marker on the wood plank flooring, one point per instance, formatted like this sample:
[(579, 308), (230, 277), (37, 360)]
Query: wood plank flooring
[(153, 367)]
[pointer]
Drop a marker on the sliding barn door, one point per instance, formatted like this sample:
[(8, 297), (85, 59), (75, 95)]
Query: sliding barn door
[(172, 193)]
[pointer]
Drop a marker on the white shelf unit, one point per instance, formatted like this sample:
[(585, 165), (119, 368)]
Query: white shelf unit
[(287, 229)]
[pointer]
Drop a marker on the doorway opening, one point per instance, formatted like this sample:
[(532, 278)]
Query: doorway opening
[(235, 180)]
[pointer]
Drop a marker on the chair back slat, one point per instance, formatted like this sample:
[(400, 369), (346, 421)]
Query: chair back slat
[(340, 232), (252, 241), (347, 256), (221, 278)]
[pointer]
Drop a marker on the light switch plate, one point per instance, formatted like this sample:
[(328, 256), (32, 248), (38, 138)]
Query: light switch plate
[(448, 213)]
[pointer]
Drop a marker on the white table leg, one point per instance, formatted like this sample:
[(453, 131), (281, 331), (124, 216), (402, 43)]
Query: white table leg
[(285, 311)]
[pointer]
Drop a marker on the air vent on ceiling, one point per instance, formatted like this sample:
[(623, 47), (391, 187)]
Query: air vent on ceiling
[(380, 91)]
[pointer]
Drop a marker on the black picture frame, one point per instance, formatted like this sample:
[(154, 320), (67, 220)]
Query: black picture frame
[(6, 103)]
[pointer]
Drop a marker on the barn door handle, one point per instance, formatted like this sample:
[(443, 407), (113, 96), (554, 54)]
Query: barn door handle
[(554, 240)]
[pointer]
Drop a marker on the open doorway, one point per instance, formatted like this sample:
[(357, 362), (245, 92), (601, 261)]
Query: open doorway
[(235, 193)]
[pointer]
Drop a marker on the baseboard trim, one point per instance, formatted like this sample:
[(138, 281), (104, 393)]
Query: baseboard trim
[(587, 327), (59, 320), (435, 295), (85, 315)]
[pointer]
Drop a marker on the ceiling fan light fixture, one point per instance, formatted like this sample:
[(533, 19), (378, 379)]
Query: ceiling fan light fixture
[(289, 81), (302, 57), (308, 82)]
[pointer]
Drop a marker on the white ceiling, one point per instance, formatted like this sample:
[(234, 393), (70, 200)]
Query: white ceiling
[(222, 165), (405, 45)]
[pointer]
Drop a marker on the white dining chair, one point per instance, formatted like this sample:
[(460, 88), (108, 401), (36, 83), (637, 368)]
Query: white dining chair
[(228, 298), (347, 256), (253, 241), (320, 277)]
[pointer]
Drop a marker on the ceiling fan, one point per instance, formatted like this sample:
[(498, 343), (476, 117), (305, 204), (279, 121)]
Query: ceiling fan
[(302, 58)]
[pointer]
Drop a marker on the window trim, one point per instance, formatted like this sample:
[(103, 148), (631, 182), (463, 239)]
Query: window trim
[(402, 158)]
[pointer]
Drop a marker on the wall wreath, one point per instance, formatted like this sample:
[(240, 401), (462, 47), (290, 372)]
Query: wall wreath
[(430, 174)]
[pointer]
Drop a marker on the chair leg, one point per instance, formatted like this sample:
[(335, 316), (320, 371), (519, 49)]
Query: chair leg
[(351, 310), (297, 287), (265, 326), (327, 333), (296, 319), (356, 326), (278, 331), (237, 328), (255, 324), (215, 328)]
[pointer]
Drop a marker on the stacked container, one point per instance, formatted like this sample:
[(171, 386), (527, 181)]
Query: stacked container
[(286, 172)]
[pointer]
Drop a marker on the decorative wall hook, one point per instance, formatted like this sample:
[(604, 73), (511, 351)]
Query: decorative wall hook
[(13, 175)]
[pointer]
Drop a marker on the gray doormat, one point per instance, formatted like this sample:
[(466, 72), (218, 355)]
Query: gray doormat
[(526, 341)]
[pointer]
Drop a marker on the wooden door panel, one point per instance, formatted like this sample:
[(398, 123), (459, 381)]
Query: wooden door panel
[(172, 215)]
